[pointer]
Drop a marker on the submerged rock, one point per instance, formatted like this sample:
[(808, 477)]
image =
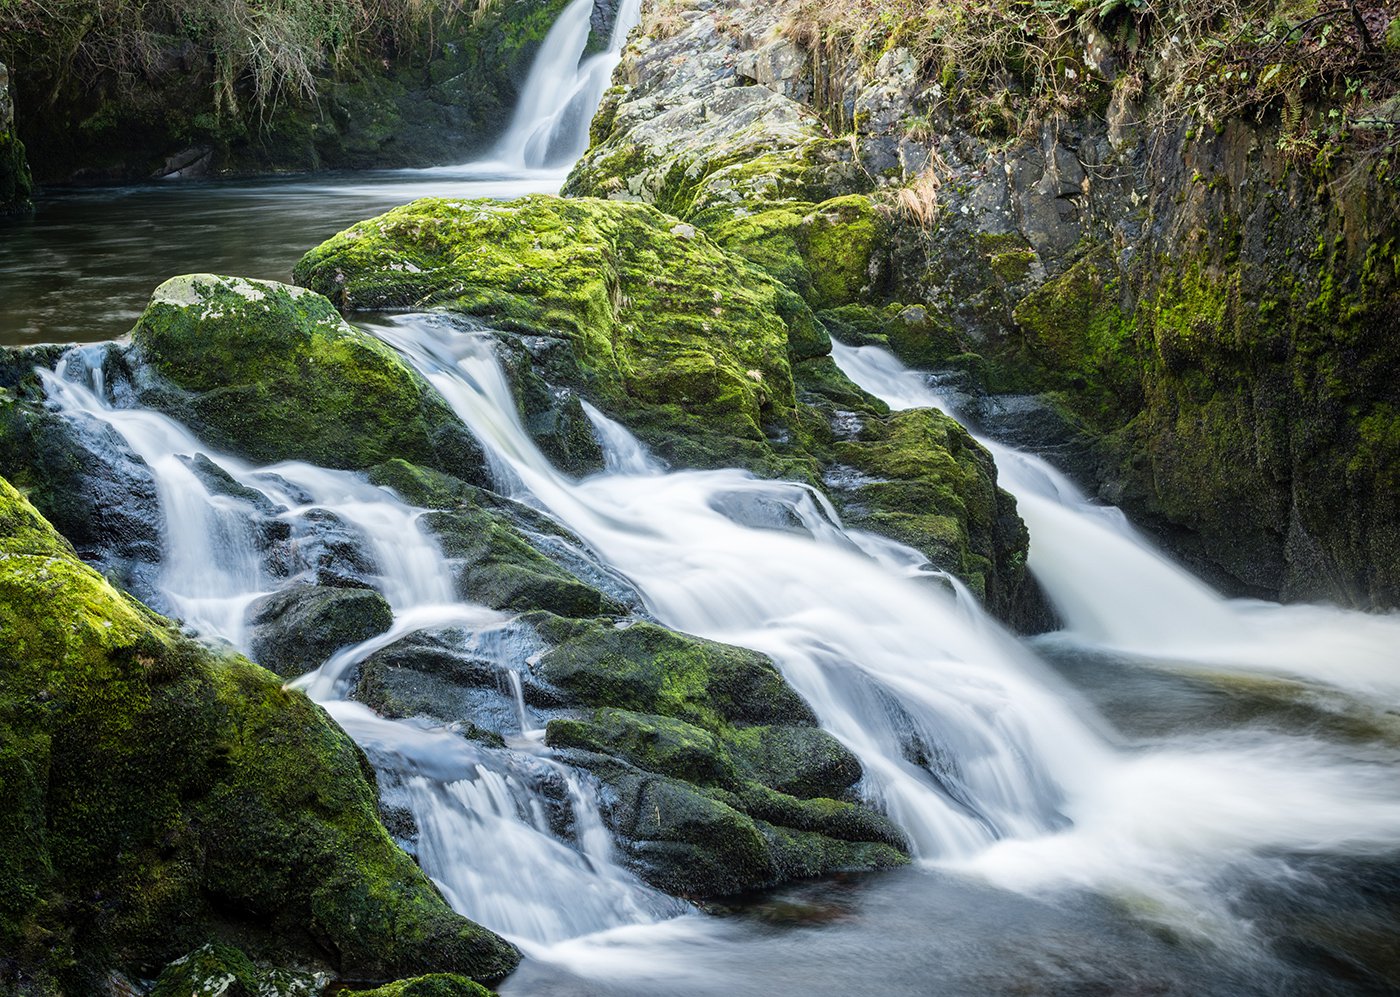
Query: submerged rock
[(271, 372), (163, 795)]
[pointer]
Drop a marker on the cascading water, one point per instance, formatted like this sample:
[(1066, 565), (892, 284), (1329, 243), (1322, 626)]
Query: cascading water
[(1114, 589), (478, 810), (960, 745), (550, 127), (967, 740), (991, 764)]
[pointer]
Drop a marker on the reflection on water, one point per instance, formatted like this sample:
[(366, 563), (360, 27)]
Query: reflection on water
[(82, 268)]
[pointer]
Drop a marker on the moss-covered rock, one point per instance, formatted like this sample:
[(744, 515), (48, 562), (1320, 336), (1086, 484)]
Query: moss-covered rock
[(497, 568), (16, 183), (684, 342), (162, 794), (210, 971), (650, 669), (721, 780), (271, 372), (295, 630), (692, 347), (434, 985), (924, 482), (823, 252)]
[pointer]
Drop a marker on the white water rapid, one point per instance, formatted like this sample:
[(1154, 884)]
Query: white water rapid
[(1114, 589), (1015, 783), (484, 834), (990, 762), (550, 127)]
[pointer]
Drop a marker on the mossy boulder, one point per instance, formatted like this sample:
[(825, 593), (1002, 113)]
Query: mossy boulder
[(647, 668), (434, 985), (209, 971), (923, 481), (162, 795), (296, 629), (721, 781), (497, 568), (687, 344), (822, 251), (271, 372), (496, 546)]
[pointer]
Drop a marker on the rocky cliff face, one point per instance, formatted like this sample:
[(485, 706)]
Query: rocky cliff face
[(1206, 319), (15, 183)]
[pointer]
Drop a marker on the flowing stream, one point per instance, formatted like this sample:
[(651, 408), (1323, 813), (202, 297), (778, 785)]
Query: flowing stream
[(1023, 787), (1178, 794)]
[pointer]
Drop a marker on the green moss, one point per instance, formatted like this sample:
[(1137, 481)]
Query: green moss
[(435, 985), (658, 744), (822, 252), (296, 629), (162, 794), (16, 184), (270, 372), (209, 971), (649, 669), (690, 346), (720, 774), (499, 569), (1074, 335), (666, 331), (1014, 266)]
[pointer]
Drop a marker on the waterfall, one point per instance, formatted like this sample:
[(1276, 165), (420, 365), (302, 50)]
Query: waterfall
[(961, 741), (1113, 588), (480, 811), (990, 763), (564, 88), (993, 766)]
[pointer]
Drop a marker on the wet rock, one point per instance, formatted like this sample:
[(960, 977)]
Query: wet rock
[(458, 676), (295, 630), (435, 985), (86, 481), (244, 812), (270, 372), (16, 183)]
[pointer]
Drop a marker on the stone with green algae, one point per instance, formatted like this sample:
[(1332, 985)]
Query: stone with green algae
[(271, 372), (686, 343), (162, 794)]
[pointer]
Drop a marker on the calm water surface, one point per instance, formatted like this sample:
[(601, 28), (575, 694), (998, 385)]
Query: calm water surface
[(83, 266)]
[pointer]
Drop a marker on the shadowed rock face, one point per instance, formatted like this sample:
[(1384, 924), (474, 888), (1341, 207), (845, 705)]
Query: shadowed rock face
[(435, 90), (15, 182)]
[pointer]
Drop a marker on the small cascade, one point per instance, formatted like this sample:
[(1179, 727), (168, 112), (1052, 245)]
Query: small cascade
[(550, 126), (991, 765), (961, 742), (1115, 589), (514, 838)]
